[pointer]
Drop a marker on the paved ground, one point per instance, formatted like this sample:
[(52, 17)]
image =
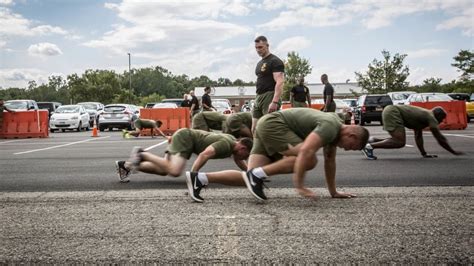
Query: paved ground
[(403, 225)]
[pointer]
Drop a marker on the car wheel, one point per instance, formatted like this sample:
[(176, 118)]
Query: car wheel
[(468, 119), (52, 130), (362, 121), (79, 128), (101, 128), (88, 127), (63, 130)]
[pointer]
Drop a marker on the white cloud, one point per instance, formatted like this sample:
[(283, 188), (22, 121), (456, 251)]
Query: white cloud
[(419, 74), (424, 53), (465, 21), (44, 49), (2, 43), (296, 44), (6, 2), (19, 77), (16, 25)]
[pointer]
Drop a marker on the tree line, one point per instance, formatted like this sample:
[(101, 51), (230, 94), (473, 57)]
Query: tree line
[(152, 84)]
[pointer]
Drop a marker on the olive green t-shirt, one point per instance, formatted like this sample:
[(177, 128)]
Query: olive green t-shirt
[(222, 143), (144, 123), (415, 117), (235, 121), (303, 121)]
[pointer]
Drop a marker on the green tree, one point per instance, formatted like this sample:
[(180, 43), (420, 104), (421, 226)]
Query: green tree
[(152, 98), (94, 85), (465, 64), (295, 66), (386, 75)]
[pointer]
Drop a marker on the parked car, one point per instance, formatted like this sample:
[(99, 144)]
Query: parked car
[(342, 109), (369, 108), (223, 106), (117, 116), (429, 97), (247, 106), (50, 106), (69, 117), (165, 105), (177, 101), (149, 105), (94, 109), (400, 97), (469, 99), (22, 105)]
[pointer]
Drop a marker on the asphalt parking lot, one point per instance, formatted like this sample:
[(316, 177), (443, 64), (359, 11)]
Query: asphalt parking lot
[(61, 202)]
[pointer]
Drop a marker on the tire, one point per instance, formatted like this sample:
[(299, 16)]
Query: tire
[(79, 128), (52, 130), (362, 121), (88, 127), (101, 128)]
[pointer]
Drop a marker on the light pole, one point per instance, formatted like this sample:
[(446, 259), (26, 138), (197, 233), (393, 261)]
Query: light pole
[(129, 79)]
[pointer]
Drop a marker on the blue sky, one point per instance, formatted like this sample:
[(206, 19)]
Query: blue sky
[(39, 38)]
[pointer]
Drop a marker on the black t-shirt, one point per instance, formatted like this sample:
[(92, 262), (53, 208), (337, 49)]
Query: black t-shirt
[(206, 99), (195, 101), (264, 71), (328, 91), (186, 103), (299, 93)]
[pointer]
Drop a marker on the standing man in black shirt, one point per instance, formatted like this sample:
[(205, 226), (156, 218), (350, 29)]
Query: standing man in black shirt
[(299, 95), (206, 100), (328, 94), (270, 78), (194, 103)]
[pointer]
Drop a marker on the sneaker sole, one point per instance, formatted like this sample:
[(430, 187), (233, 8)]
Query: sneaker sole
[(190, 188), (249, 186), (369, 158), (117, 167)]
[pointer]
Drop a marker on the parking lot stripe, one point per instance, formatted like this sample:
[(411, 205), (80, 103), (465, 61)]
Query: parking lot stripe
[(10, 141), (59, 146), (462, 136), (156, 145)]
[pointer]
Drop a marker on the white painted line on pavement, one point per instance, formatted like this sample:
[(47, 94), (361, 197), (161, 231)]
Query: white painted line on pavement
[(407, 145), (59, 146), (462, 136), (156, 145), (10, 141)]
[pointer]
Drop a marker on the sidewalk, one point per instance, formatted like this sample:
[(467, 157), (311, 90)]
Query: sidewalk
[(382, 225)]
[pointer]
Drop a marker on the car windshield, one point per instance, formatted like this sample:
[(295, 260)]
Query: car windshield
[(89, 106), (16, 104), (400, 96), (67, 109), (220, 104), (383, 100), (438, 98), (114, 109)]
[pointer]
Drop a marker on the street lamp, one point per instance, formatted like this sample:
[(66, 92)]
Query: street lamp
[(129, 79)]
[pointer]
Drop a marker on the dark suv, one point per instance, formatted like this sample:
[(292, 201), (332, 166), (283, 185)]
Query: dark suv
[(369, 108)]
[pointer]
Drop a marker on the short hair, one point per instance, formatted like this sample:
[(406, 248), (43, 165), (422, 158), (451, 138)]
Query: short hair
[(439, 113), (363, 134), (324, 76), (207, 88), (247, 142), (158, 123), (261, 39)]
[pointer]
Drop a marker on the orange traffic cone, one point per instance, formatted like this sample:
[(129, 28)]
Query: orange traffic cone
[(94, 130)]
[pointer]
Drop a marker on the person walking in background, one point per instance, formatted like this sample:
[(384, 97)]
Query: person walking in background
[(287, 142), (3, 108), (396, 117), (270, 78), (142, 123), (194, 103), (299, 94), (206, 100), (328, 95), (186, 101)]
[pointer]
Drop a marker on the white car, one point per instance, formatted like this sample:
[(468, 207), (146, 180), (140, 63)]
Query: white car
[(69, 117), (400, 97), (223, 106), (429, 97)]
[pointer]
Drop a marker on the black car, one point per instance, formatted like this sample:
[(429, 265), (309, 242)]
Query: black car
[(50, 106), (369, 108)]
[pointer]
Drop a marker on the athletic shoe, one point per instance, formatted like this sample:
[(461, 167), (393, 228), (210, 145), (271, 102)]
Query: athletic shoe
[(254, 185), (135, 156), (194, 186), (368, 151), (124, 134), (122, 171)]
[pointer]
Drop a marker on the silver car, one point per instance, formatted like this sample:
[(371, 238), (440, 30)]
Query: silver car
[(117, 116)]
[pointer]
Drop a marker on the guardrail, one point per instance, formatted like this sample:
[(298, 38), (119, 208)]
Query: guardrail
[(25, 124), (172, 118)]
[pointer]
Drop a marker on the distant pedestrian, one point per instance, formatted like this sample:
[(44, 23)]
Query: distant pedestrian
[(3, 108), (141, 123), (396, 117), (185, 142), (328, 95), (195, 108), (270, 79), (299, 94), (206, 100), (186, 101)]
